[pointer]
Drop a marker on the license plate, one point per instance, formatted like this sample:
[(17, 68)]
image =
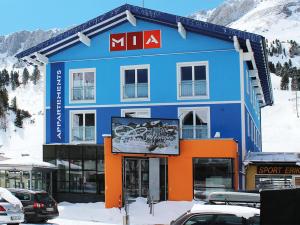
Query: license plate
[(49, 209), (16, 218)]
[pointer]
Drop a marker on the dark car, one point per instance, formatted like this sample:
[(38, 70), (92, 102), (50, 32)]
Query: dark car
[(38, 206)]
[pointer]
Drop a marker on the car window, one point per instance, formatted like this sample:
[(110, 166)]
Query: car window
[(229, 220), (22, 196), (205, 219)]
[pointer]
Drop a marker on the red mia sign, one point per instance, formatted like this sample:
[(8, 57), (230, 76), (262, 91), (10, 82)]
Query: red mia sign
[(135, 40)]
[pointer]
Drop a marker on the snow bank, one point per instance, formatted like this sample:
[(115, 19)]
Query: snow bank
[(139, 212)]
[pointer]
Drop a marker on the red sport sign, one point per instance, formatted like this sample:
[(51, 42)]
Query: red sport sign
[(135, 40)]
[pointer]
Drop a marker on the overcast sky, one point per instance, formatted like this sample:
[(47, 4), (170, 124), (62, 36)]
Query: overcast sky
[(17, 15)]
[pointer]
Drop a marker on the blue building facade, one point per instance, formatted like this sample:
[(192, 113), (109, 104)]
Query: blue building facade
[(213, 79)]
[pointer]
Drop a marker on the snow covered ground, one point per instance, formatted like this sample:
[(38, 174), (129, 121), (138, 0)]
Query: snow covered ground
[(280, 124), (28, 140), (96, 214)]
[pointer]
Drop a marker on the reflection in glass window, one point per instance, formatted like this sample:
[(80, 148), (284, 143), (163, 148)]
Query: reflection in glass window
[(212, 175), (194, 123), (83, 127), (192, 79), (135, 82), (83, 85)]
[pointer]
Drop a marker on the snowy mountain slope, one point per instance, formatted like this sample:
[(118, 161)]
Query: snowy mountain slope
[(227, 12), (29, 139), (280, 124), (274, 19)]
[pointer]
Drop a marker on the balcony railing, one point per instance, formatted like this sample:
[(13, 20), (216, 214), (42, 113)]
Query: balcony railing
[(83, 93), (193, 88), (194, 132), (83, 133), (139, 90)]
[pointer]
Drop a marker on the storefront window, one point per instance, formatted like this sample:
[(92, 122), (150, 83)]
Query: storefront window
[(80, 168), (212, 175)]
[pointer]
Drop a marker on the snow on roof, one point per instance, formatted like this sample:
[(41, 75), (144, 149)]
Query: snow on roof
[(287, 157), (240, 211), (25, 162)]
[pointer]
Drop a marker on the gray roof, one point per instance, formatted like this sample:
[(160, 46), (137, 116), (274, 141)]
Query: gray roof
[(279, 157)]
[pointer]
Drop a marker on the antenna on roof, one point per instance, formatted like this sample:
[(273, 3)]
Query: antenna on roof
[(143, 3)]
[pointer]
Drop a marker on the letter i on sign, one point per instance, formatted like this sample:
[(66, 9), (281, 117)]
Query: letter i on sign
[(134, 40)]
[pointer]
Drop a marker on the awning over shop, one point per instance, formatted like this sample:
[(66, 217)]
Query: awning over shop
[(272, 157), (25, 163)]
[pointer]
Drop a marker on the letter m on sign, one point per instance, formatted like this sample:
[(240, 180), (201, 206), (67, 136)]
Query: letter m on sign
[(118, 42)]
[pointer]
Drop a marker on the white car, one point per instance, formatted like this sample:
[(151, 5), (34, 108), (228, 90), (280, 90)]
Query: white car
[(11, 209), (219, 215)]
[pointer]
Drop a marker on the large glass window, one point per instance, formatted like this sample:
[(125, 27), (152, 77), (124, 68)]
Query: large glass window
[(212, 175), (135, 82), (83, 85), (83, 126), (194, 123), (80, 168), (192, 79)]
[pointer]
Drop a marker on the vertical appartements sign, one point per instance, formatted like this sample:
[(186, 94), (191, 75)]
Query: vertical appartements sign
[(57, 102)]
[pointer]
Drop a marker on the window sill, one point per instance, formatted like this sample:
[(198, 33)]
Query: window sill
[(135, 99), (192, 97), (81, 101)]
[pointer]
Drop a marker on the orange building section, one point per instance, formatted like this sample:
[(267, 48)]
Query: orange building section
[(180, 168)]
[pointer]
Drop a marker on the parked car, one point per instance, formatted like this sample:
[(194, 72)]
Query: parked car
[(219, 215), (39, 206), (11, 209)]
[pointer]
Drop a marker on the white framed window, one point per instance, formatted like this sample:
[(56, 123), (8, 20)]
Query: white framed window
[(138, 113), (83, 126), (194, 122), (135, 83), (193, 80), (82, 87)]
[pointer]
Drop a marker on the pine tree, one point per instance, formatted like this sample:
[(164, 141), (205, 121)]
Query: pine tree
[(284, 85), (4, 99), (35, 75), (18, 119), (13, 105), (16, 78), (5, 76), (25, 76), (12, 81)]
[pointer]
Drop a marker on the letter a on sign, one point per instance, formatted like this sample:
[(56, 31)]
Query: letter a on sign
[(152, 39), (118, 42)]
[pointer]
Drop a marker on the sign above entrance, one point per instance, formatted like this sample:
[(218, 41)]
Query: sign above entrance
[(135, 40), (278, 170), (145, 136)]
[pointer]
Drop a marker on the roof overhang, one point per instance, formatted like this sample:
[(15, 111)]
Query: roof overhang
[(39, 54)]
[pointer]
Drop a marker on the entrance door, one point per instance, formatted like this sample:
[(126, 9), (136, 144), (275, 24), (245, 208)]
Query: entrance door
[(136, 177)]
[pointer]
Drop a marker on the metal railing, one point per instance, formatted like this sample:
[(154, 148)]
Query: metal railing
[(83, 133), (194, 132), (83, 93), (193, 88), (139, 90)]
